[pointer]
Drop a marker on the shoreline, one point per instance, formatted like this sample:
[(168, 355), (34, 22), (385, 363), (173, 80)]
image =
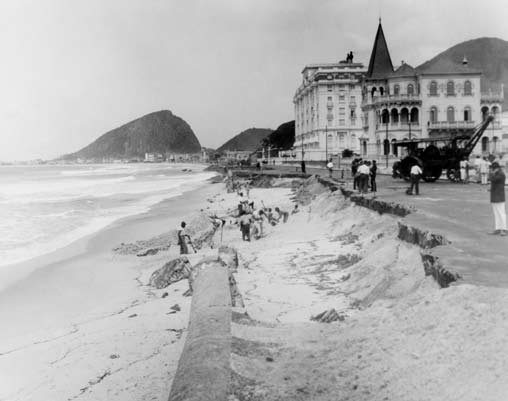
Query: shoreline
[(87, 311), (12, 273)]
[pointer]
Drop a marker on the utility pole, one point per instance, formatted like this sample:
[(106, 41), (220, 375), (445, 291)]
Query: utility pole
[(409, 123), (387, 142), (326, 143)]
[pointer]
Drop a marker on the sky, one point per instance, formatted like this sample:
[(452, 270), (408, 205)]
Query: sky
[(72, 70)]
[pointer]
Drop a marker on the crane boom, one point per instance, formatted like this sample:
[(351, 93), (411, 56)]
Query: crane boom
[(468, 148)]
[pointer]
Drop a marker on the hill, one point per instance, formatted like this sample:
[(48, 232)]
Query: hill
[(249, 139), (157, 132), (283, 137), (489, 55)]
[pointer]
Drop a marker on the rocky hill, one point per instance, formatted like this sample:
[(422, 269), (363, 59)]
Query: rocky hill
[(490, 55), (157, 132), (249, 139), (283, 137)]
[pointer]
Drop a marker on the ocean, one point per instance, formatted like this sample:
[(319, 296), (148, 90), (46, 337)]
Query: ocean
[(44, 208)]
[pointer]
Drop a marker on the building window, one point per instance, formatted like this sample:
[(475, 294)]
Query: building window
[(450, 88), (467, 114), (329, 88), (342, 122), (410, 89), (342, 97), (433, 88), (433, 114), (450, 114), (467, 88), (396, 89)]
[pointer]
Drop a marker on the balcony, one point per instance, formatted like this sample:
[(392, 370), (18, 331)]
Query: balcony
[(392, 99), (492, 97), (448, 125)]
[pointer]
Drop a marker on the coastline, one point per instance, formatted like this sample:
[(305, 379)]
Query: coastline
[(78, 301)]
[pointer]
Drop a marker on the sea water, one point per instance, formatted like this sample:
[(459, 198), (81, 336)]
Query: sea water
[(44, 208)]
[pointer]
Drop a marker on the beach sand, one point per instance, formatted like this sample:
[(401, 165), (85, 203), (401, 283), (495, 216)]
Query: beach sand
[(83, 324), (88, 327)]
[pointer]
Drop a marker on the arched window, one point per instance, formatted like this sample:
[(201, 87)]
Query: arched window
[(364, 148), (385, 116), (404, 115), (414, 115), (373, 91), (450, 88), (450, 114), (386, 147), (485, 113), (381, 90), (396, 89), (494, 111), (433, 114), (394, 147), (495, 144), (485, 144), (433, 88), (410, 89), (467, 113), (467, 88), (394, 115)]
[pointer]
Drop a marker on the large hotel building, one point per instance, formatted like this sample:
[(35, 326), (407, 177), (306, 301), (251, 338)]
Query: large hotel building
[(345, 105)]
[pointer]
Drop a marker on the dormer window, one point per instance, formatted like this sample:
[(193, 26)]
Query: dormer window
[(410, 89), (396, 89)]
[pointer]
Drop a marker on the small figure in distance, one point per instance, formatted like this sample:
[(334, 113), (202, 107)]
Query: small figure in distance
[(416, 173), (282, 214), (373, 173), (329, 166), (295, 209), (182, 239), (497, 199)]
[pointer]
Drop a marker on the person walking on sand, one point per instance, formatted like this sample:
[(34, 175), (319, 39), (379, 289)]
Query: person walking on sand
[(182, 239), (497, 199), (329, 166), (245, 221), (416, 173), (373, 173), (282, 214)]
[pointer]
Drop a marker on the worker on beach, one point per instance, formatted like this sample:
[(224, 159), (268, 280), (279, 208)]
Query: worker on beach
[(497, 199), (282, 215), (182, 239), (329, 166), (416, 173)]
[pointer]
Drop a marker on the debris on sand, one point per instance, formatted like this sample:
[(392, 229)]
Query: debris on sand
[(329, 316)]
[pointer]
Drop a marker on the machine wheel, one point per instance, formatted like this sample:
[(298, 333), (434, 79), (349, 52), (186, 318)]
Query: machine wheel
[(453, 174), (432, 174)]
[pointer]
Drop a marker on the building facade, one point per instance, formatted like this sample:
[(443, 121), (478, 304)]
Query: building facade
[(327, 109), (434, 100)]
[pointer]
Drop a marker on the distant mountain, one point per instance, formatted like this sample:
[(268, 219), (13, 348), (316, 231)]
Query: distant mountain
[(158, 132), (283, 137), (249, 139), (489, 55)]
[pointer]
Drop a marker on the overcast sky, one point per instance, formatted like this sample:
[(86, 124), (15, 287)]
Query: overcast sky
[(72, 70)]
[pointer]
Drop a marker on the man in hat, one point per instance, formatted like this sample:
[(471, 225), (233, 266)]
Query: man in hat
[(497, 199)]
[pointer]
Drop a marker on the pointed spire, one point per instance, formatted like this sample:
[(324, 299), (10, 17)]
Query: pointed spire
[(380, 64)]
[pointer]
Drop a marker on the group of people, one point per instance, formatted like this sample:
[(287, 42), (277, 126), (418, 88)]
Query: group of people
[(364, 174), (479, 170), (251, 220)]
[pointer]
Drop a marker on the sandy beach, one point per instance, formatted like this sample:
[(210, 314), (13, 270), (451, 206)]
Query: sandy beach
[(84, 316), (87, 326)]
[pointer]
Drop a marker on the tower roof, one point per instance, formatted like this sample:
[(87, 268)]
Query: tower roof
[(380, 64)]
